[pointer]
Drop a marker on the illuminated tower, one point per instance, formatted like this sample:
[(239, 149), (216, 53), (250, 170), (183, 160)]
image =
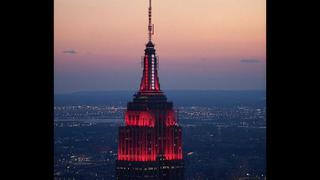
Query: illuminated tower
[(150, 143)]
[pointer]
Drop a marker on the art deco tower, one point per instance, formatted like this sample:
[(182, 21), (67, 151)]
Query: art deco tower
[(150, 143)]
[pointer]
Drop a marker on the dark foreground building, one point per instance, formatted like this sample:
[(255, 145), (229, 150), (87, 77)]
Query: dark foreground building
[(150, 144)]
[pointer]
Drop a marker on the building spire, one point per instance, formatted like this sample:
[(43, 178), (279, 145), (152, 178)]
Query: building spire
[(150, 25), (150, 79)]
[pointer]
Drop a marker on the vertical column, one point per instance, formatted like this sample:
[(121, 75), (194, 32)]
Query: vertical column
[(120, 145), (156, 63), (146, 76), (152, 72), (180, 143)]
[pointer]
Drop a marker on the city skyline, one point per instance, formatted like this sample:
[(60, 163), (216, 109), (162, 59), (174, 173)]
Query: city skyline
[(212, 44)]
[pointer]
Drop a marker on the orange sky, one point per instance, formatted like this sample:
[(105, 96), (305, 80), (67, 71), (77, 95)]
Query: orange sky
[(111, 34)]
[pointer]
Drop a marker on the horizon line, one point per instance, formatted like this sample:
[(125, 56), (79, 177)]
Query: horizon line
[(128, 90)]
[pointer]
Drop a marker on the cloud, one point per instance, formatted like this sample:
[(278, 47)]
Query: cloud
[(250, 61), (71, 51)]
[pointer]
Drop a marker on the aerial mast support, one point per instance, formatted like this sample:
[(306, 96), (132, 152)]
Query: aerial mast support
[(150, 25)]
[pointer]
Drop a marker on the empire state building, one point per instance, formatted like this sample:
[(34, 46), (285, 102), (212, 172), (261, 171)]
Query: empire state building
[(150, 142)]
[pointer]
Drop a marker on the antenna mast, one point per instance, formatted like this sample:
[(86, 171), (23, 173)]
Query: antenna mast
[(150, 25)]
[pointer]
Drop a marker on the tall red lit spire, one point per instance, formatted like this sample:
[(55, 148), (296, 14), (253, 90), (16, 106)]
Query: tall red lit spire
[(150, 141), (150, 79)]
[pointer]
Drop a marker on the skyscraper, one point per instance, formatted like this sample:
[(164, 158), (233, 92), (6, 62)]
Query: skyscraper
[(150, 143)]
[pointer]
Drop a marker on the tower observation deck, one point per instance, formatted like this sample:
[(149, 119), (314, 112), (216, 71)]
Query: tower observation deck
[(150, 142)]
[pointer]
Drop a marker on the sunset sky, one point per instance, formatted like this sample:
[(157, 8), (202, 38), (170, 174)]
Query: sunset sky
[(201, 44)]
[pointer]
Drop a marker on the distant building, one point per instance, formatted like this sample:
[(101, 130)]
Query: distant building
[(150, 143)]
